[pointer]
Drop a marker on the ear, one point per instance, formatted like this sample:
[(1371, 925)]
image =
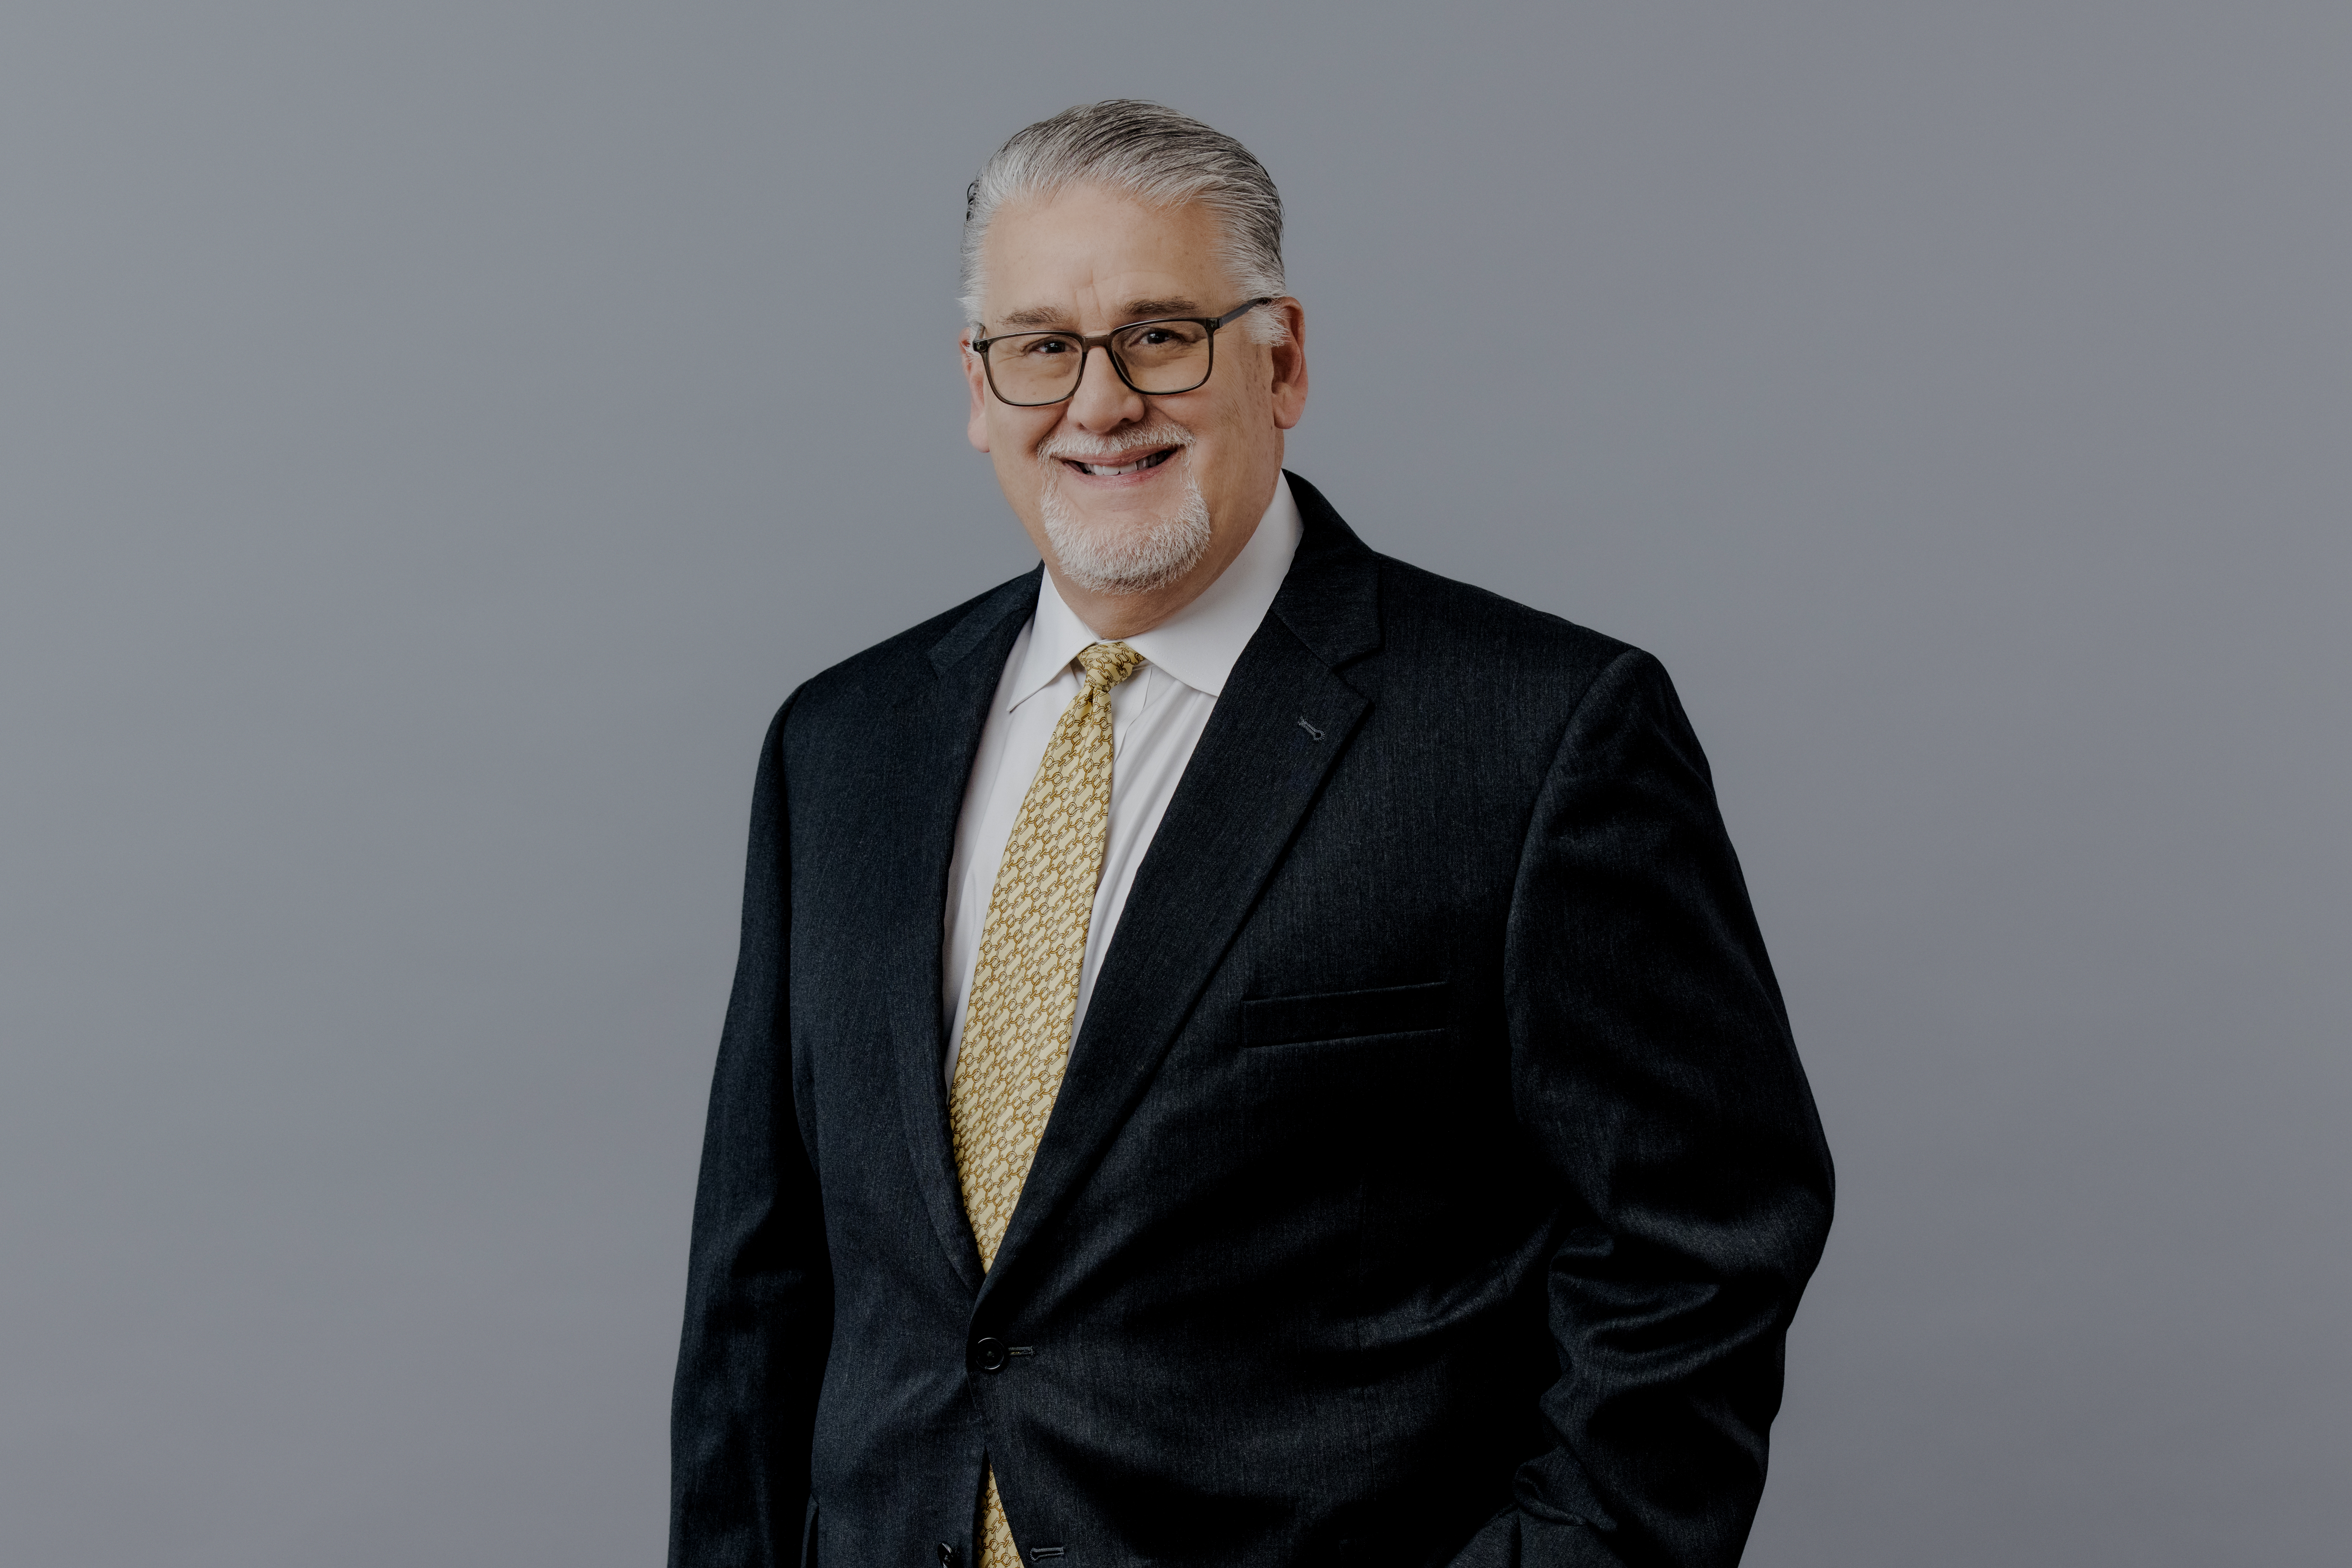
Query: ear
[(976, 427), (1289, 357)]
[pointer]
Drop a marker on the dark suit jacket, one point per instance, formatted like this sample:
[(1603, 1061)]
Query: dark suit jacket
[(1433, 1180)]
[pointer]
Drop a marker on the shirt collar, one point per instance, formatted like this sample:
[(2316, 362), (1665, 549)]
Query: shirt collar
[(1198, 645)]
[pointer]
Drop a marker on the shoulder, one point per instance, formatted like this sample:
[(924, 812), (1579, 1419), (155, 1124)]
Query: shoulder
[(1514, 682), (1437, 630), (1443, 640), (922, 649), (897, 667)]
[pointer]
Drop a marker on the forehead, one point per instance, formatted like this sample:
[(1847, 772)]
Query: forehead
[(1086, 251)]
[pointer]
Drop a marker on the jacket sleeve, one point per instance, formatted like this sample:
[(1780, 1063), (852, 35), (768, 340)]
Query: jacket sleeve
[(1653, 1074), (758, 1297)]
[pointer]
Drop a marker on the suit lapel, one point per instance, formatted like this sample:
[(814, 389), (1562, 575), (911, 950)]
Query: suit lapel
[(1285, 716), (942, 722)]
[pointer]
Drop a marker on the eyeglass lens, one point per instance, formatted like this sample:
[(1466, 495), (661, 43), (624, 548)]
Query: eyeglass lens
[(1161, 358)]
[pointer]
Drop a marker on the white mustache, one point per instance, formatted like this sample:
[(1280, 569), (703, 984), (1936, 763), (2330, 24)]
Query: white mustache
[(1079, 446)]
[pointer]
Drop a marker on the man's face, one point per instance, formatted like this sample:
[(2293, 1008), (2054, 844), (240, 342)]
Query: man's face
[(1124, 494)]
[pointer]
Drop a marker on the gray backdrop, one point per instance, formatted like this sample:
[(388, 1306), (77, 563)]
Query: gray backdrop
[(435, 435)]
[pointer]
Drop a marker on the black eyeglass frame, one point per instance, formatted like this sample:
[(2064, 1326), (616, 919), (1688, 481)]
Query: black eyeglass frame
[(1089, 344)]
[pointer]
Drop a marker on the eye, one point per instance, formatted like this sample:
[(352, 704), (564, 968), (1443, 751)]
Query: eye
[(1047, 347), (1161, 338)]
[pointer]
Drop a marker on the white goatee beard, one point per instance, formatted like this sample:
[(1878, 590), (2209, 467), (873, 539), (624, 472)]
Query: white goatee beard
[(1117, 558)]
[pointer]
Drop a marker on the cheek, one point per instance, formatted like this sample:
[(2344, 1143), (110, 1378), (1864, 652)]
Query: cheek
[(1248, 406), (1015, 470), (1241, 430), (1011, 437)]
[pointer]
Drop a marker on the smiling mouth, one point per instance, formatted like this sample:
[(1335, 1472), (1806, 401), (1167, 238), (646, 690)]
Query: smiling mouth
[(1111, 470)]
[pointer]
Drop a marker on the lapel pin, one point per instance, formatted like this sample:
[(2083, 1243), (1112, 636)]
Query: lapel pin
[(1311, 730)]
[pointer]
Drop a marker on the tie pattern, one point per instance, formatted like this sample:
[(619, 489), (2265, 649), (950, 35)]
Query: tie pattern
[(1024, 985)]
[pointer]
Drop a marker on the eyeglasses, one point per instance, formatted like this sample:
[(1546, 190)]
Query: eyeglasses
[(1158, 359)]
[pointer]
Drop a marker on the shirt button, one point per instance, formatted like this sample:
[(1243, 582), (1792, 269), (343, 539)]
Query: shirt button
[(988, 1354)]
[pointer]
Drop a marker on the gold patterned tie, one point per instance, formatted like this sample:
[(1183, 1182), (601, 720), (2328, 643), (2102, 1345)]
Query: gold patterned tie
[(1025, 985)]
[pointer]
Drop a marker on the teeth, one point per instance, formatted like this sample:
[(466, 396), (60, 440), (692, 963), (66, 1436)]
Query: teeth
[(1108, 470)]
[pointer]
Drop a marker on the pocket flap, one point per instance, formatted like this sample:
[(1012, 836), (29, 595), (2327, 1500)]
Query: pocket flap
[(1343, 1015)]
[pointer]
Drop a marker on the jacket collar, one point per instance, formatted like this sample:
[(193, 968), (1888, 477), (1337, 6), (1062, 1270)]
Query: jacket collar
[(1330, 600)]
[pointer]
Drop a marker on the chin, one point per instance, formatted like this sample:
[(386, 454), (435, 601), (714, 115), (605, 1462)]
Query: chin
[(1131, 549)]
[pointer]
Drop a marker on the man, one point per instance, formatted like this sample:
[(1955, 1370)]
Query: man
[(1244, 1052)]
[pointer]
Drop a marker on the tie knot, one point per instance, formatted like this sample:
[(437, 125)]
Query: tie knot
[(1108, 663)]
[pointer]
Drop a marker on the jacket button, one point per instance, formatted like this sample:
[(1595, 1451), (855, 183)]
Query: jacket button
[(988, 1354), (948, 1556)]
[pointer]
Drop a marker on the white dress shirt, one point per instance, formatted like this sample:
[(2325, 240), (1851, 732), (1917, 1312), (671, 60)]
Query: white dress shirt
[(1156, 715)]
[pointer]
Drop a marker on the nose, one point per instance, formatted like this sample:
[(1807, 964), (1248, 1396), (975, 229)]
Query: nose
[(1102, 401)]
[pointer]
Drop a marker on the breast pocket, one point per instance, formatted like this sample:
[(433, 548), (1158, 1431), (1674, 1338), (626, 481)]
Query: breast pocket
[(1331, 1083), (1377, 1015)]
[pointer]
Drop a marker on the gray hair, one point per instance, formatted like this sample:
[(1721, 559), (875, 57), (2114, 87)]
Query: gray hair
[(1157, 156)]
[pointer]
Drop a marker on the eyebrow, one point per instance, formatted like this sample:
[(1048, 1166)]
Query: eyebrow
[(1051, 316), (1144, 310)]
